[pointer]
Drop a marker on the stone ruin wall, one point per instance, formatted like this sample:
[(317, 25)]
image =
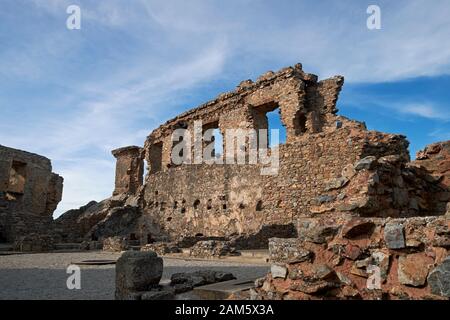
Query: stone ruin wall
[(223, 200), (329, 166), (29, 194)]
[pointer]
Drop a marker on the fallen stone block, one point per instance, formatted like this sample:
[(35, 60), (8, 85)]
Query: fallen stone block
[(394, 236), (137, 271), (182, 282), (164, 294)]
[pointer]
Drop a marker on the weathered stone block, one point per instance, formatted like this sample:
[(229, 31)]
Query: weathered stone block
[(137, 271), (164, 294), (336, 183), (413, 269), (287, 251), (278, 271), (365, 163), (182, 282), (394, 236), (439, 279)]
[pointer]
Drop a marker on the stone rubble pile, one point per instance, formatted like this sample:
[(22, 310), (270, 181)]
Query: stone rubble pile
[(361, 258), (183, 282), (34, 243), (212, 248)]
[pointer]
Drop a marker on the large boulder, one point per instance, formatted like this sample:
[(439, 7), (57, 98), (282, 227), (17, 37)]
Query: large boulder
[(137, 271)]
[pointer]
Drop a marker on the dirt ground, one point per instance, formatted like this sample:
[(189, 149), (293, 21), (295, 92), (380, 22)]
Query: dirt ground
[(44, 275)]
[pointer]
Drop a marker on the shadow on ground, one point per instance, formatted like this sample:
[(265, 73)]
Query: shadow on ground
[(96, 283)]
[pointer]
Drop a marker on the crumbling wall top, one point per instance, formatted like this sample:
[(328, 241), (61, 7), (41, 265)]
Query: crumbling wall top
[(129, 150)]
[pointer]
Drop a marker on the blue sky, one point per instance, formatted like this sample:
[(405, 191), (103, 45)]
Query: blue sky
[(74, 95)]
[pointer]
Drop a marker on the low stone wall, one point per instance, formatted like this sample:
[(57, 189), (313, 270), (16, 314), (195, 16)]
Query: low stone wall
[(162, 248), (361, 258), (34, 243), (212, 248), (115, 244)]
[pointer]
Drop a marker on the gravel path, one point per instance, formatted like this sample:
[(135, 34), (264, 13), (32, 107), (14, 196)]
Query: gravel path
[(43, 275)]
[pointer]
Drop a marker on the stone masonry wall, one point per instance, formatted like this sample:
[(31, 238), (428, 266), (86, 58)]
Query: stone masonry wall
[(321, 149), (29, 194), (129, 170), (329, 166), (361, 258)]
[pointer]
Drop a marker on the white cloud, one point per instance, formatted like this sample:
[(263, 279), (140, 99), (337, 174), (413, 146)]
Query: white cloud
[(425, 111), (440, 134), (132, 60)]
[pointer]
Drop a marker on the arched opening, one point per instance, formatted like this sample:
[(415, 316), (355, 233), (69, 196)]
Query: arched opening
[(150, 239), (196, 204)]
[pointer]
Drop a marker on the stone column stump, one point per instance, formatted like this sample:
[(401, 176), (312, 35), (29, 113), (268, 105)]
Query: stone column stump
[(137, 272)]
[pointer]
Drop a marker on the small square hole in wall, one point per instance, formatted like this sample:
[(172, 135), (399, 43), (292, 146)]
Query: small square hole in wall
[(259, 205)]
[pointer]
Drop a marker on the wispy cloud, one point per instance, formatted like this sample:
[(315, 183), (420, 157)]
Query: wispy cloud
[(75, 95), (440, 134), (426, 111)]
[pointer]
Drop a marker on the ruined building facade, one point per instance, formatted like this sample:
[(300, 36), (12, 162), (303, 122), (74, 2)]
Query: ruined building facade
[(29, 194), (329, 166)]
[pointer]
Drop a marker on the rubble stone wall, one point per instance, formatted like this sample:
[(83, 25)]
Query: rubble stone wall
[(330, 166), (316, 172), (129, 170), (361, 258), (29, 194)]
